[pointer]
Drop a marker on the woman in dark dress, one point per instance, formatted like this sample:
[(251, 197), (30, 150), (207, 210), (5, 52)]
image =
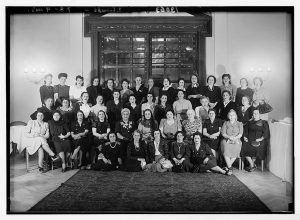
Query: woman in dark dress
[(60, 133), (180, 154), (124, 129), (256, 135), (139, 91), (47, 91), (194, 91), (212, 92), (110, 155), (202, 157), (147, 125), (168, 90), (61, 90), (79, 132), (223, 108), (94, 90), (137, 157), (114, 110), (158, 154), (161, 109), (66, 112), (108, 91), (100, 129), (245, 112), (153, 90), (135, 110), (242, 91), (125, 92), (211, 131)]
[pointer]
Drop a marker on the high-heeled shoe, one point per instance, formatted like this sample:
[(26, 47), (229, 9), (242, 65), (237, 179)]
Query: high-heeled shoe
[(42, 170), (63, 170)]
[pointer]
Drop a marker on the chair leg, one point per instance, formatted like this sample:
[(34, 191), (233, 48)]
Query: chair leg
[(27, 160), (262, 165), (240, 163)]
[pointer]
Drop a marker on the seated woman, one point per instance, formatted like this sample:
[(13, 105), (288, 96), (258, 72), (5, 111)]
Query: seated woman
[(211, 131), (180, 154), (245, 112), (60, 133), (232, 131), (79, 132), (169, 127), (147, 125), (202, 110), (202, 157), (37, 133), (158, 154), (110, 156), (137, 157), (181, 106), (255, 137), (66, 111), (149, 104), (135, 110), (222, 108), (100, 129), (161, 109), (98, 107), (191, 125)]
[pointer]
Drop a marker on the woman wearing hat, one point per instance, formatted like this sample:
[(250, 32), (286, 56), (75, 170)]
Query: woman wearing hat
[(61, 90)]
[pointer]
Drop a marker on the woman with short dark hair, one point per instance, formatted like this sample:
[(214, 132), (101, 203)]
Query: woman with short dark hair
[(168, 90), (61, 90), (94, 90), (161, 109), (76, 90), (194, 91), (242, 91), (181, 106), (227, 85), (125, 92), (212, 92), (139, 90), (222, 108), (147, 125)]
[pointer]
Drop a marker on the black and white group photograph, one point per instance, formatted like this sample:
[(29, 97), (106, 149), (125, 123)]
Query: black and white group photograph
[(150, 109)]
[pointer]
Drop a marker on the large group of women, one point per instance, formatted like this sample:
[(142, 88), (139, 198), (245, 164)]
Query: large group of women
[(200, 128)]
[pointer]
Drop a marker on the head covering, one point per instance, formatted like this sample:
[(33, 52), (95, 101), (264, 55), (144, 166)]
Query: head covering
[(125, 110), (62, 75)]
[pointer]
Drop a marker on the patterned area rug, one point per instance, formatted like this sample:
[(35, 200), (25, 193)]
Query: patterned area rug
[(123, 192)]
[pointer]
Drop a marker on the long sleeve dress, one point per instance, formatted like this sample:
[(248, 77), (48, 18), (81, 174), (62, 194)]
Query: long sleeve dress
[(179, 151), (132, 164)]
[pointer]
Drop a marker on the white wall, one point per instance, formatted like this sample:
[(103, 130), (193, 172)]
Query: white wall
[(54, 43), (246, 45)]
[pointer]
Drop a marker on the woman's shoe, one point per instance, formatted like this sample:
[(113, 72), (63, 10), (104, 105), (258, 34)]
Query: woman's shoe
[(55, 158), (42, 170), (63, 170), (228, 172)]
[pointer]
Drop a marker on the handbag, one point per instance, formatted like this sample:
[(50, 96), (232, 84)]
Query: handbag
[(166, 164), (255, 143), (265, 108)]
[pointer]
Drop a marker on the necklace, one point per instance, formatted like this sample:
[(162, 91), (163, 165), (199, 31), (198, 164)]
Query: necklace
[(112, 146), (136, 146)]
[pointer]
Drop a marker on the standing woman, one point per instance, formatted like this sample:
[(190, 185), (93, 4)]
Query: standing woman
[(222, 108), (147, 125), (139, 90), (125, 92), (36, 135), (226, 81), (211, 131), (108, 91), (180, 154), (245, 112), (232, 131), (194, 91), (137, 157), (100, 129), (94, 90), (181, 106), (202, 157), (202, 111), (110, 156), (260, 97), (153, 89), (212, 92), (135, 110), (98, 107), (61, 90), (77, 90), (158, 153), (60, 133), (242, 91), (46, 90), (79, 132), (168, 90), (181, 85), (114, 110), (161, 109), (149, 104), (124, 129), (169, 126), (191, 125), (46, 109), (256, 135)]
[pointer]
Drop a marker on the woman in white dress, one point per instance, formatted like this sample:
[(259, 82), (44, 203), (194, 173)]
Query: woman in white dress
[(36, 135), (76, 90)]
